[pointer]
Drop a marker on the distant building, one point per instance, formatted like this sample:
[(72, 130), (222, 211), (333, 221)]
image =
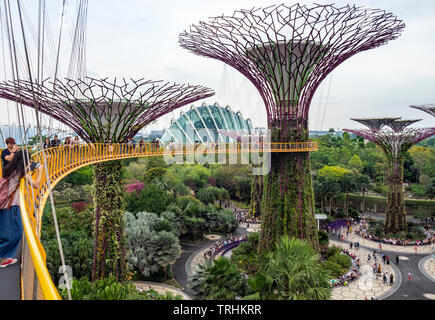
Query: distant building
[(23, 136), (315, 133), (155, 134), (207, 123)]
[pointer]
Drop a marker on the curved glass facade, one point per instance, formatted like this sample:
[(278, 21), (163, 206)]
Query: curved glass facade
[(202, 124)]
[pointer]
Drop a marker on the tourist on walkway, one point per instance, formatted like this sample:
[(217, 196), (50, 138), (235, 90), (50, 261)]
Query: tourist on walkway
[(11, 227), (388, 260), (385, 278), (47, 143), (391, 279), (409, 275), (8, 153), (415, 249), (379, 268), (397, 260), (383, 257), (55, 142)]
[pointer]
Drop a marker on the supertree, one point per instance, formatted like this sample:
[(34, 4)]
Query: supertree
[(99, 110), (394, 138), (286, 52), (429, 108)]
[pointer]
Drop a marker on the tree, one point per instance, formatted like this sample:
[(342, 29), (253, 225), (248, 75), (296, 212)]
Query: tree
[(291, 271), (348, 184), (363, 184), (330, 179), (149, 250), (419, 155), (208, 195), (150, 199), (422, 214), (355, 163), (224, 281), (164, 249), (243, 189), (195, 282)]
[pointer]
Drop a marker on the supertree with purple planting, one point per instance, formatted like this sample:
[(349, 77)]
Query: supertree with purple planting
[(394, 138)]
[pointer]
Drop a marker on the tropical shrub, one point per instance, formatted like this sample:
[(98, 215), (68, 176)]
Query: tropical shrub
[(109, 289), (150, 249), (245, 255), (223, 281), (291, 272)]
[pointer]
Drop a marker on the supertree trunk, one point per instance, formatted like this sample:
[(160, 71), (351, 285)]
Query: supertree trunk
[(288, 197), (256, 196), (395, 216), (109, 228)]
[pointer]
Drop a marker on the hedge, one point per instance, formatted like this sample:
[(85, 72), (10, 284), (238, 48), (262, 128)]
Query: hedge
[(381, 202)]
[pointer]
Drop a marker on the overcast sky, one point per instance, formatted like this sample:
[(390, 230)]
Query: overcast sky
[(139, 39)]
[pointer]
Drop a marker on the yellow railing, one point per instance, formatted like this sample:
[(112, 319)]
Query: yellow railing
[(63, 160)]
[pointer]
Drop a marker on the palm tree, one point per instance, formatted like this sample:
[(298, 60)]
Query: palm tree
[(195, 282), (291, 272), (224, 281)]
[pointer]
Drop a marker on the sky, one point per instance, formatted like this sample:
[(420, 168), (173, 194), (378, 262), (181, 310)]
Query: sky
[(139, 39)]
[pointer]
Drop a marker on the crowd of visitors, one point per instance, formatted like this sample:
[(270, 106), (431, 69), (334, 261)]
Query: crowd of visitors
[(352, 274), (242, 218), (362, 232), (210, 253)]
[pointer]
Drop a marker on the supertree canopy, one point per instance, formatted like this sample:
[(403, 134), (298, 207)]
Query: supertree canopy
[(429, 108), (100, 111), (286, 52), (394, 138)]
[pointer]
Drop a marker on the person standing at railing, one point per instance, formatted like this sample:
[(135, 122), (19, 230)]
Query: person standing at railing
[(75, 144), (55, 142), (11, 227), (67, 148), (8, 154), (47, 143)]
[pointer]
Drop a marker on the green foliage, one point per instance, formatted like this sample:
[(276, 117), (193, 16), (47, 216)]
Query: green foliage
[(333, 250), (211, 194), (149, 248), (323, 237), (336, 263), (76, 237), (245, 255), (243, 189), (291, 272), (153, 173), (80, 177), (355, 163), (194, 176), (150, 199), (155, 162), (195, 281), (223, 222), (109, 289), (223, 281)]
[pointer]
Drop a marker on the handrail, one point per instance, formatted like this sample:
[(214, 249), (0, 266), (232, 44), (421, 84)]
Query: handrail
[(37, 252), (63, 160)]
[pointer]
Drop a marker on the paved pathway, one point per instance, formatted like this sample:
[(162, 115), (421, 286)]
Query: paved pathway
[(369, 285), (160, 288), (420, 263), (10, 280)]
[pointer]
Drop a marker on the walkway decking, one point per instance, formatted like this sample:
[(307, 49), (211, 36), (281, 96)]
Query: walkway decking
[(10, 279)]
